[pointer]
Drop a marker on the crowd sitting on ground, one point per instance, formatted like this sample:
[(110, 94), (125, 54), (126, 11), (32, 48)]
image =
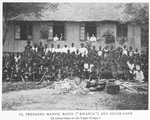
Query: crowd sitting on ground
[(40, 63)]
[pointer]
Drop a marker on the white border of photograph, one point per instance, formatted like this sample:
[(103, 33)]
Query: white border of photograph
[(17, 115)]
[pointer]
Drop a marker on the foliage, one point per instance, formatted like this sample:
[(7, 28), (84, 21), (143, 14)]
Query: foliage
[(122, 41), (44, 33), (109, 38), (88, 45), (139, 13), (14, 9)]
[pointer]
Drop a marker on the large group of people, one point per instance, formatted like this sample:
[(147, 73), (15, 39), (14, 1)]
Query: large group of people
[(41, 63)]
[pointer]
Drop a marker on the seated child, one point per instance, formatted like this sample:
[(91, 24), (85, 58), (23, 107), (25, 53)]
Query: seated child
[(139, 76)]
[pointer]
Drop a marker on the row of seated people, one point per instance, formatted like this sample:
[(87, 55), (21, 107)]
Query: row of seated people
[(115, 63)]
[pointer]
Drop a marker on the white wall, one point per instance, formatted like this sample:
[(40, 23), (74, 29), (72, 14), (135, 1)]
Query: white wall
[(73, 36)]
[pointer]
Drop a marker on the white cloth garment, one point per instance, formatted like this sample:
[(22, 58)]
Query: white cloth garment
[(86, 66), (130, 53), (46, 50), (55, 39), (131, 66), (88, 38), (35, 49), (65, 50), (58, 50), (139, 76), (83, 51), (105, 52), (17, 59), (100, 52), (91, 66), (136, 53), (93, 39), (51, 50), (61, 38), (125, 52), (73, 49)]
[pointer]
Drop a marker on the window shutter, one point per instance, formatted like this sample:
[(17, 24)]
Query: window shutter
[(65, 32), (98, 32), (50, 32), (119, 31), (29, 32), (125, 31), (82, 32), (17, 32)]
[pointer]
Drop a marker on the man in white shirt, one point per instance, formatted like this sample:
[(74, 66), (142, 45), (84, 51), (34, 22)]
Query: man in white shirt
[(52, 49), (131, 53), (17, 57), (100, 52), (35, 48), (56, 38), (58, 50), (125, 51), (46, 49), (72, 48), (87, 37), (65, 49), (83, 51), (93, 38), (61, 37)]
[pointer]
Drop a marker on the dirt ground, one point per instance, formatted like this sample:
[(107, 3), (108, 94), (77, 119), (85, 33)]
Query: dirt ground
[(40, 97)]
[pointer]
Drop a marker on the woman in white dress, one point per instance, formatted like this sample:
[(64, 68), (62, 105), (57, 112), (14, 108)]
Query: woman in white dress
[(139, 76)]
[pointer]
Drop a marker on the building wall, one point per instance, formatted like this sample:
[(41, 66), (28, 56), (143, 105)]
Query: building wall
[(73, 36), (133, 38), (104, 26), (138, 38), (12, 45)]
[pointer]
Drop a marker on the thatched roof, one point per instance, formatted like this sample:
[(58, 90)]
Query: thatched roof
[(77, 12)]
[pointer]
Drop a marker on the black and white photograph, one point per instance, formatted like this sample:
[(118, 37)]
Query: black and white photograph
[(75, 56)]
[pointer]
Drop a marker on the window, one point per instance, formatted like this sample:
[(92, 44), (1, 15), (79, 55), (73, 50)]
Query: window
[(82, 32), (122, 30), (58, 29), (98, 32), (50, 32), (23, 31), (88, 29)]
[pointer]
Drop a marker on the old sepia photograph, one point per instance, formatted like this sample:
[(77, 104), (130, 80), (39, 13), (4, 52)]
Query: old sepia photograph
[(75, 56)]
